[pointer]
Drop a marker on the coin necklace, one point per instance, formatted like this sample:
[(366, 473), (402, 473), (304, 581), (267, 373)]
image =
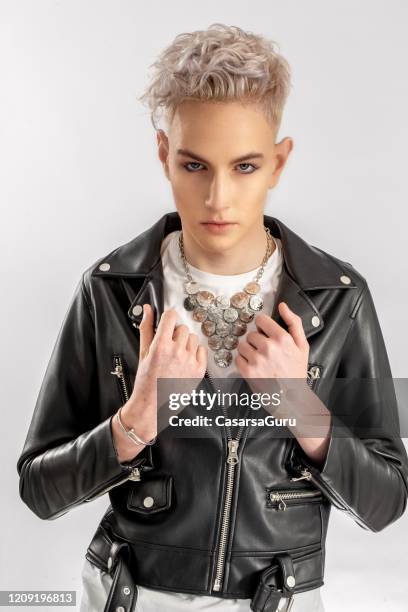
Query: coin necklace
[(224, 319)]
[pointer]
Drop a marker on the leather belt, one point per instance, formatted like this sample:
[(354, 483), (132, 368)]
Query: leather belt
[(277, 581), (123, 592)]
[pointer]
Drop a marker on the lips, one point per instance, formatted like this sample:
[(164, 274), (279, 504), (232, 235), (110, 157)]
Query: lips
[(218, 227)]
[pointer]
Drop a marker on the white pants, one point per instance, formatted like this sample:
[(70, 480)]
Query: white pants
[(96, 585)]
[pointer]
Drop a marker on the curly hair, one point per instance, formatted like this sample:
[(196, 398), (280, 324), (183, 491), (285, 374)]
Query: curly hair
[(222, 63)]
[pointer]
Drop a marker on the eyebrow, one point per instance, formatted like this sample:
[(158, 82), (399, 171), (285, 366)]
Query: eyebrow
[(250, 155)]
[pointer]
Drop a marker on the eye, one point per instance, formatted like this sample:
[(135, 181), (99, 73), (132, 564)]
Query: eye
[(186, 166), (248, 165), (247, 168)]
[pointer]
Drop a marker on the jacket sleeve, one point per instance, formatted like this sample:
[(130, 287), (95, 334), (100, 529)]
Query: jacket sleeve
[(69, 456), (365, 472)]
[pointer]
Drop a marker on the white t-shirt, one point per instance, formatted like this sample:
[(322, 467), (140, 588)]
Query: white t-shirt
[(96, 584)]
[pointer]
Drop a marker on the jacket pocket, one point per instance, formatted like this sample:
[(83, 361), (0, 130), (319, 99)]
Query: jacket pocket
[(151, 496), (281, 499)]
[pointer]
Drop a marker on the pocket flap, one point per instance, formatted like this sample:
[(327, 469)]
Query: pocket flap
[(152, 495)]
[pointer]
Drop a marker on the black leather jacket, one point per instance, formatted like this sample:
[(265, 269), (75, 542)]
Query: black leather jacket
[(213, 528)]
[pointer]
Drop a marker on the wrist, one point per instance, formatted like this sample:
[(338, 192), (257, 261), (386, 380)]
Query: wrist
[(132, 417)]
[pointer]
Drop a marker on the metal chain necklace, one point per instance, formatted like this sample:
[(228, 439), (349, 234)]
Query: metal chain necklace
[(224, 319)]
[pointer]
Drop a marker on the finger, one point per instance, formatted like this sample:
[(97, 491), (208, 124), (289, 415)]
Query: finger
[(146, 330), (294, 323), (242, 364), (246, 351), (202, 356), (257, 340), (180, 335), (167, 322), (192, 343), (268, 326)]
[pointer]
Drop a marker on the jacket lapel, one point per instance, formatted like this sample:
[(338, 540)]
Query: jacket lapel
[(297, 300)]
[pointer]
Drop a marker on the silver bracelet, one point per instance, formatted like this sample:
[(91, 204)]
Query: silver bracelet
[(132, 434)]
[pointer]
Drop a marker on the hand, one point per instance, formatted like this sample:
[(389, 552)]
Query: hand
[(278, 359), (274, 353), (171, 353)]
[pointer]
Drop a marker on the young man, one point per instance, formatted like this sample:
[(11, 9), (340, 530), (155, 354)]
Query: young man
[(235, 519)]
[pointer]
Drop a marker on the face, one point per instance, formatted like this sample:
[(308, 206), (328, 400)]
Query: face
[(221, 158)]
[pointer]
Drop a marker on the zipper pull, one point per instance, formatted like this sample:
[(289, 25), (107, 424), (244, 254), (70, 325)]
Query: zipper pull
[(117, 371), (314, 372), (232, 458), (277, 497), (306, 475), (134, 474)]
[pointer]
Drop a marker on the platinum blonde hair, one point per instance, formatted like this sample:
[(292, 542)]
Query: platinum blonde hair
[(222, 63)]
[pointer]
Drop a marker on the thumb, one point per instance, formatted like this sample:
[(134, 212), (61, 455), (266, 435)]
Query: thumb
[(146, 331)]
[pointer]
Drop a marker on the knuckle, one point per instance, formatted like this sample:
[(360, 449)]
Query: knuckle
[(178, 353), (286, 340)]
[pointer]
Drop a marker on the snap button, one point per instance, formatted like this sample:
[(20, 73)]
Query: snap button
[(315, 321), (120, 609), (148, 502), (104, 267), (126, 590), (290, 581), (137, 310), (345, 279)]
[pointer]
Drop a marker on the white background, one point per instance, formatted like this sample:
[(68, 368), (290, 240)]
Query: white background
[(79, 176)]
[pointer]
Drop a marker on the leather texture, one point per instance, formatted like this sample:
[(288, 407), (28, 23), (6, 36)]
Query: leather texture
[(69, 457)]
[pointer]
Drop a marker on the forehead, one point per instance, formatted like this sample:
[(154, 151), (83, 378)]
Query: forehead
[(229, 126)]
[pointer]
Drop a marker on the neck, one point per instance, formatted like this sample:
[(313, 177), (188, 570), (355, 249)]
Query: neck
[(238, 259)]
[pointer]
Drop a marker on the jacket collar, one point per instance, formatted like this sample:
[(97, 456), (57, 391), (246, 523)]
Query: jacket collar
[(306, 268)]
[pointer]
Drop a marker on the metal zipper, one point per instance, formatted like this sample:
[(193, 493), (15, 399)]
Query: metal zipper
[(313, 374), (280, 497), (232, 460), (134, 472), (307, 475), (335, 498), (119, 372)]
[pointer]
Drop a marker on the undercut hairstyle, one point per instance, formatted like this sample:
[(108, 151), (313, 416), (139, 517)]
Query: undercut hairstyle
[(219, 64)]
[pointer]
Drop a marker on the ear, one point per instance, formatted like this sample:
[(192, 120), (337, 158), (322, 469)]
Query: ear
[(163, 150), (282, 152)]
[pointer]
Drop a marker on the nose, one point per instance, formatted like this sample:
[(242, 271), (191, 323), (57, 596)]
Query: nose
[(219, 193)]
